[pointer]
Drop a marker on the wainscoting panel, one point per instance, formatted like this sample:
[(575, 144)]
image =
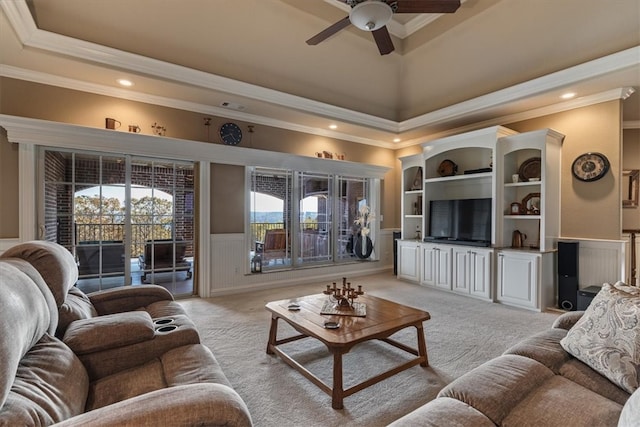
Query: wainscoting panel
[(230, 267), (600, 261)]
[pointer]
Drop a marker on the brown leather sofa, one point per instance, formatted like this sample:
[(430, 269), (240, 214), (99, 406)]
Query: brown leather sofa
[(126, 357)]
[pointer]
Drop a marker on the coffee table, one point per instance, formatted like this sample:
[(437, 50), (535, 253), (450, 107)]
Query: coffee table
[(383, 319)]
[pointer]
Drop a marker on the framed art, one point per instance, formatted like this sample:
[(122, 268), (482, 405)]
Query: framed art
[(630, 188)]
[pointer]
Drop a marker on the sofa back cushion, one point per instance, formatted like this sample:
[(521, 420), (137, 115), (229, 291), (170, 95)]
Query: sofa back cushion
[(54, 263), (24, 319), (50, 386)]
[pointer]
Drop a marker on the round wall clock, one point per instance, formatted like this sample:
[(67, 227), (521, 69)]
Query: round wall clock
[(230, 133), (590, 166)]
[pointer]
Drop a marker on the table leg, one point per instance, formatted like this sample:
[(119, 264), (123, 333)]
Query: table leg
[(337, 392), (422, 345), (273, 332)]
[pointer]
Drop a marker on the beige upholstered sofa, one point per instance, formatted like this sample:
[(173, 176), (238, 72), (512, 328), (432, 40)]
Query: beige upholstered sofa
[(539, 383), (120, 357)]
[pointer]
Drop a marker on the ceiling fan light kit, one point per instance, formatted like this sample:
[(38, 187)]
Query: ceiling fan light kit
[(370, 15), (374, 15)]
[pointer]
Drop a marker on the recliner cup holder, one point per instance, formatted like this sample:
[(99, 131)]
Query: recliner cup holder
[(164, 321), (166, 329)]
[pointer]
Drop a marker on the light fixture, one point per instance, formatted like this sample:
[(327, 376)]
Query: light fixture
[(568, 95), (370, 15), (396, 140), (125, 82), (333, 126)]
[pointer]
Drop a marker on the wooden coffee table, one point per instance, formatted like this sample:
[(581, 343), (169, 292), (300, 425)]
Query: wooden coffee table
[(383, 319)]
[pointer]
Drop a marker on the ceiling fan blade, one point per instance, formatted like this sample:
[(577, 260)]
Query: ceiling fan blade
[(427, 6), (329, 31), (383, 40)]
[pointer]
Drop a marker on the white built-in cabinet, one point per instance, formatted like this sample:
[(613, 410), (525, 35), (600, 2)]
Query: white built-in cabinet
[(408, 262), (521, 276), (436, 266), (471, 271)]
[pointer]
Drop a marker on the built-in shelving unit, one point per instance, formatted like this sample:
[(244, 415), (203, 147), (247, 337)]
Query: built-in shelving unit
[(482, 164)]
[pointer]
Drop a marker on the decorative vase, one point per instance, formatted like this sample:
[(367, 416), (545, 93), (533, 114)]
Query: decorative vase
[(363, 247)]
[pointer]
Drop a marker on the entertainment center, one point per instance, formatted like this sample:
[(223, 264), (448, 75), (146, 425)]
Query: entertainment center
[(481, 215)]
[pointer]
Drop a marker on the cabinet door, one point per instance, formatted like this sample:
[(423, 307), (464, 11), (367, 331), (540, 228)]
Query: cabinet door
[(517, 279), (443, 272), (460, 278), (429, 265), (480, 273), (408, 261), (436, 266)]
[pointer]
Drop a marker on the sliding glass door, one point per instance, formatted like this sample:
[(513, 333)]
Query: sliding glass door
[(127, 220)]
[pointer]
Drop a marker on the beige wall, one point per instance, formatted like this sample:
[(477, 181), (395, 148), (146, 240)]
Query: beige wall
[(589, 209), (630, 161), (38, 101)]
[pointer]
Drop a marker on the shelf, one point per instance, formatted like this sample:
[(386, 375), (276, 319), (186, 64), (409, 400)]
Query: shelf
[(522, 184), (471, 176), (507, 216), (413, 216), (413, 191)]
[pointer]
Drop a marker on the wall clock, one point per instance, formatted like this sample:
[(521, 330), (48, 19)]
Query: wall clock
[(230, 133), (590, 166)]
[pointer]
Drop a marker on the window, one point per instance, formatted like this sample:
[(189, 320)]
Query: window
[(303, 218)]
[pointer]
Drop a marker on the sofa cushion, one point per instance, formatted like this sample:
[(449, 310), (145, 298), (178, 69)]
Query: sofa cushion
[(544, 347), (126, 384), (583, 375), (498, 385), (560, 402), (189, 364), (444, 411), (607, 337), (50, 385)]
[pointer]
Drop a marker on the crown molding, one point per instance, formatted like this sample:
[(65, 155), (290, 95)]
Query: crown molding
[(585, 101), (22, 21), (130, 95), (63, 135)]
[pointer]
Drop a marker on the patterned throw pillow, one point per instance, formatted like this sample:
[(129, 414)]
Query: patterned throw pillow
[(607, 336)]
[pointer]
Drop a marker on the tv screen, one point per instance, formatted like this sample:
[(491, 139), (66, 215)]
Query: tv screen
[(465, 220)]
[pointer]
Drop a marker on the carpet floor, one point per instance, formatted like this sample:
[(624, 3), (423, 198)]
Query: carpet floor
[(463, 333)]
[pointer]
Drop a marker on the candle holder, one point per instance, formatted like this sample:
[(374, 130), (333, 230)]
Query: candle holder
[(342, 298)]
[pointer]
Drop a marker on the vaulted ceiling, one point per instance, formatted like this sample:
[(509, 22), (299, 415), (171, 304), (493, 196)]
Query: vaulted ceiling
[(489, 61)]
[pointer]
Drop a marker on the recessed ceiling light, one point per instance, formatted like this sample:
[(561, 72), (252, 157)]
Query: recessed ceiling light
[(396, 140), (125, 82), (333, 126), (568, 95)]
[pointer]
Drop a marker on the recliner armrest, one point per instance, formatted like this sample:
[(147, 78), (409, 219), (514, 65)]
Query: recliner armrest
[(101, 333), (130, 298), (567, 320), (187, 405)]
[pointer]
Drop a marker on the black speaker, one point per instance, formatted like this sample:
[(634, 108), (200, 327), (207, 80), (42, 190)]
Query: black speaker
[(568, 275)]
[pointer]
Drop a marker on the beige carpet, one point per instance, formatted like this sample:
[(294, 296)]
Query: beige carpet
[(463, 333)]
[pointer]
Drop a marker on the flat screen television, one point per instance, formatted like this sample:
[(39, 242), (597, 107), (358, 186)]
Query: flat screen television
[(465, 221)]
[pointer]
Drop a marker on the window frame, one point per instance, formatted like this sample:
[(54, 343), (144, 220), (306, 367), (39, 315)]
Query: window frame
[(293, 222)]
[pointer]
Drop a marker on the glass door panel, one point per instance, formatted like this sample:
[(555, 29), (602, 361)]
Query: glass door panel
[(315, 221), (111, 211)]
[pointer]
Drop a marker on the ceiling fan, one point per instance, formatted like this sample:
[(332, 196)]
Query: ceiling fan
[(373, 16)]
